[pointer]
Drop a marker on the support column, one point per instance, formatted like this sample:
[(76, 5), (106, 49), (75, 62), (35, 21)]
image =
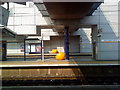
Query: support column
[(94, 41), (1, 42), (4, 50), (24, 50), (66, 47)]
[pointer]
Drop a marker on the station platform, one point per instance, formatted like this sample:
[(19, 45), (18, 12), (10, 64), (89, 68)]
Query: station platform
[(45, 63), (34, 60)]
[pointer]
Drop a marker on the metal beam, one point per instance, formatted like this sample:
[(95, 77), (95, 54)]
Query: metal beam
[(51, 26), (73, 0), (41, 1), (93, 8)]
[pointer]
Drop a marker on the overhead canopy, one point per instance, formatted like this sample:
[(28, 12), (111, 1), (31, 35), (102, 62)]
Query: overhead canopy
[(70, 10), (10, 36), (6, 32), (67, 13)]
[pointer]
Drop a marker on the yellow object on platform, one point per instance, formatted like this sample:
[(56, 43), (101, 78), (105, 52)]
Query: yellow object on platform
[(60, 56), (54, 51)]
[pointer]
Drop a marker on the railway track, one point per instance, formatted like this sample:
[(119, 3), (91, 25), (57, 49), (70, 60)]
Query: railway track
[(60, 75)]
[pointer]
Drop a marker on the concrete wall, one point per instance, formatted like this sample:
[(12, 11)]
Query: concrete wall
[(57, 42), (109, 25), (24, 18), (13, 48), (85, 39), (106, 17)]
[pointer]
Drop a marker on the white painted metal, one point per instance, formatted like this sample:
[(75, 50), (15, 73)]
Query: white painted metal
[(42, 48)]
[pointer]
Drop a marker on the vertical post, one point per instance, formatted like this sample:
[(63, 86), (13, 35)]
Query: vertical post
[(66, 48), (4, 50), (24, 50), (41, 49), (7, 5), (30, 48), (94, 41)]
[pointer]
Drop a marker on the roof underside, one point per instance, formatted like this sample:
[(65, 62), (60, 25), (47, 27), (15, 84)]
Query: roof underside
[(70, 10), (67, 13)]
